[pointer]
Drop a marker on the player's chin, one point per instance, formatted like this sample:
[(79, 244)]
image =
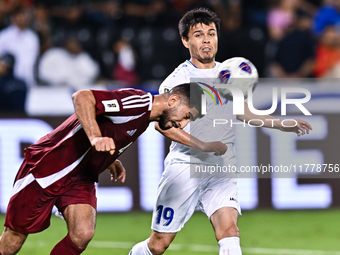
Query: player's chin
[(207, 58)]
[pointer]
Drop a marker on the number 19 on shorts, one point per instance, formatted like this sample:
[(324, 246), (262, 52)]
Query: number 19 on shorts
[(167, 214)]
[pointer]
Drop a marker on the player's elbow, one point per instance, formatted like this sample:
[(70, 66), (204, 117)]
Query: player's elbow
[(77, 95)]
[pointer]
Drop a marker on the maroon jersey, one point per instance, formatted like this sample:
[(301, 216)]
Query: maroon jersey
[(66, 155)]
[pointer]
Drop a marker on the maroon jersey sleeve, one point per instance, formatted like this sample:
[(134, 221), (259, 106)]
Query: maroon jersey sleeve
[(121, 102)]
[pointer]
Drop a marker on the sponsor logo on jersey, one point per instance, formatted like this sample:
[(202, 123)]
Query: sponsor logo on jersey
[(111, 105), (131, 132), (245, 67)]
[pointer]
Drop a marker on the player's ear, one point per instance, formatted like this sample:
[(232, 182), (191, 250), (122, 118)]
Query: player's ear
[(173, 100), (185, 42)]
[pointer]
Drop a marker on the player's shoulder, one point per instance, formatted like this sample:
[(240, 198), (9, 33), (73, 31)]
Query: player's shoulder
[(132, 91), (119, 93), (122, 100), (180, 75)]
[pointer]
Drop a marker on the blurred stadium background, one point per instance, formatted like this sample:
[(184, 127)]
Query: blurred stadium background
[(72, 45)]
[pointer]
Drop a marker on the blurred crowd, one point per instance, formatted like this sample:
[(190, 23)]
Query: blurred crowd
[(136, 42)]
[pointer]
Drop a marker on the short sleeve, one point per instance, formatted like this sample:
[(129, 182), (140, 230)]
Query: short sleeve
[(122, 102), (176, 78)]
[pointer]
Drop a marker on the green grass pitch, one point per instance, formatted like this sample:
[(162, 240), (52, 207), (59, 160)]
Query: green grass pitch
[(312, 232)]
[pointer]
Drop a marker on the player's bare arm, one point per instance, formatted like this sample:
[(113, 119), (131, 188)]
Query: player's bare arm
[(180, 136), (84, 104), (300, 127), (117, 171)]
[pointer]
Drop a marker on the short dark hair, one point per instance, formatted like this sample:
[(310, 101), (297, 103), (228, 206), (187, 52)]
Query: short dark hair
[(197, 16), (190, 94)]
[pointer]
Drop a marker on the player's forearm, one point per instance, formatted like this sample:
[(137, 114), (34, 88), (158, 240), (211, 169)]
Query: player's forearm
[(180, 136), (84, 104), (259, 120)]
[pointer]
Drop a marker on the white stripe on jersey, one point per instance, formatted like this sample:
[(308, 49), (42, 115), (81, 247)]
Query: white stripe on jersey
[(125, 89), (134, 96), (135, 105), (75, 130), (123, 119), (136, 101), (48, 180), (150, 105), (45, 181), (22, 183)]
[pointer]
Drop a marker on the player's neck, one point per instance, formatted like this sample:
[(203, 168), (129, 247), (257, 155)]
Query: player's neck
[(158, 106), (200, 65)]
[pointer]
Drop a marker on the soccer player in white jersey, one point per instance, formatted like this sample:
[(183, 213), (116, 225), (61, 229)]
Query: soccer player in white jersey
[(178, 195)]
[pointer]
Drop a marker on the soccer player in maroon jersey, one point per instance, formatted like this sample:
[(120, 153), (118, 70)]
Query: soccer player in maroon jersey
[(61, 168)]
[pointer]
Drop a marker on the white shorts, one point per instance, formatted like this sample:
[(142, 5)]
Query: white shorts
[(179, 195)]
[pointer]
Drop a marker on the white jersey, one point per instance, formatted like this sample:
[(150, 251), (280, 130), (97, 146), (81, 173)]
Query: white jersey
[(201, 128)]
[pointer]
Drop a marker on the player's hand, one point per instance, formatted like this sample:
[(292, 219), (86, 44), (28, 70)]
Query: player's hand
[(217, 147), (104, 144), (302, 127), (117, 172)]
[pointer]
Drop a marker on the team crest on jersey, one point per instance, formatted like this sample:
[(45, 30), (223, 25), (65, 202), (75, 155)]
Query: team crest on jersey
[(224, 76), (111, 105), (245, 67)]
